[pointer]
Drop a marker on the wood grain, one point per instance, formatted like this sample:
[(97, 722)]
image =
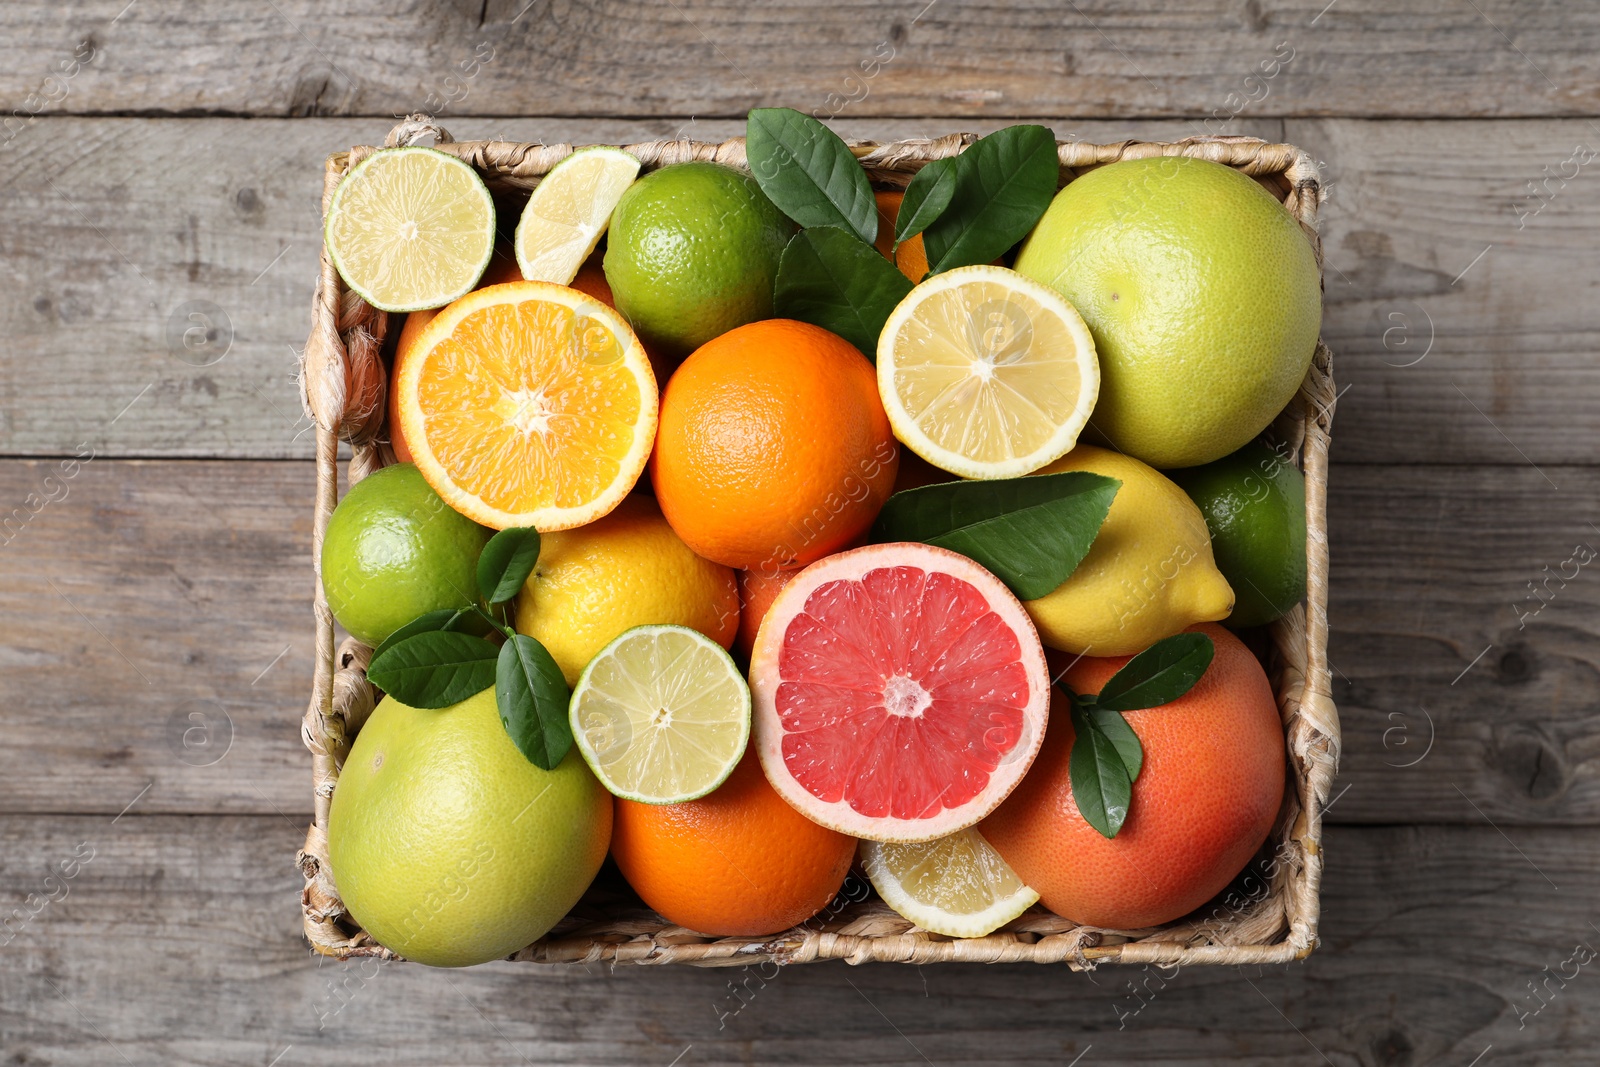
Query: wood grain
[(177, 943), (158, 589), (1458, 302), (1496, 368), (721, 57)]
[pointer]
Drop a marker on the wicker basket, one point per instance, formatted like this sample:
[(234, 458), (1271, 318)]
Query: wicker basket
[(1274, 922)]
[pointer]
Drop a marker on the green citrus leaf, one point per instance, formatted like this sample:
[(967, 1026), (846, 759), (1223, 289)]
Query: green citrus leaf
[(1101, 785), (1031, 532), (532, 696), (1159, 675), (1003, 183), (463, 620), (925, 198), (506, 562), (1121, 735), (434, 669), (830, 278), (809, 172)]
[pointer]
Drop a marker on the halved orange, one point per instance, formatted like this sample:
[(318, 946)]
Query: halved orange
[(528, 404)]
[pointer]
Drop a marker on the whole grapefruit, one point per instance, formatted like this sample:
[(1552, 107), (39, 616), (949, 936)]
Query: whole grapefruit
[(1204, 801)]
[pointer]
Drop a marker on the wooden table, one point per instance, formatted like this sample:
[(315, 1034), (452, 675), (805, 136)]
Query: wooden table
[(161, 169)]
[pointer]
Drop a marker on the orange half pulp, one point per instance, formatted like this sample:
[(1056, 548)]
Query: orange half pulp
[(528, 404)]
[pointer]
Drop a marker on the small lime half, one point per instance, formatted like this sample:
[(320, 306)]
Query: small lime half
[(410, 228), (569, 211), (661, 714)]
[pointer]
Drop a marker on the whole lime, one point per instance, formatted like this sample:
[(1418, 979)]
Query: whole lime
[(1254, 502), (448, 846), (393, 550), (693, 252), (1203, 295)]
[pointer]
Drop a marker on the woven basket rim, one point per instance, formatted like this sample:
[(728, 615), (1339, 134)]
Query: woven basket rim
[(342, 359)]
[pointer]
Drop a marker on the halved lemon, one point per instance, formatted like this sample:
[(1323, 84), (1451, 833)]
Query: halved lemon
[(956, 885), (661, 714), (569, 210), (528, 404), (410, 228), (987, 374)]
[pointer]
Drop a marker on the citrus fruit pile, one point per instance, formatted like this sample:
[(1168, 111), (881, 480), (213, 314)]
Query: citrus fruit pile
[(749, 525)]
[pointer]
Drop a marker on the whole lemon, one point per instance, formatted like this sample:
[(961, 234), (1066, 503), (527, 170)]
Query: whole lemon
[(394, 550), (448, 846), (693, 252), (1149, 573), (1203, 295), (627, 569)]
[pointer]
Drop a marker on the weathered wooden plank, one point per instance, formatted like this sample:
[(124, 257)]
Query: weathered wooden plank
[(159, 589), (123, 241), (105, 264), (176, 941), (1460, 273), (719, 57)]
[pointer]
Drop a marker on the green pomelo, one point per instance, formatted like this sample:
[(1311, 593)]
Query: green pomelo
[(448, 846), (1203, 295)]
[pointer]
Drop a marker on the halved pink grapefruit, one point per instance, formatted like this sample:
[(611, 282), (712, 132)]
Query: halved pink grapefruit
[(900, 692)]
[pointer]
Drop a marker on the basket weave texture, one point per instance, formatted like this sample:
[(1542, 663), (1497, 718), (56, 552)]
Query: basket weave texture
[(1273, 922)]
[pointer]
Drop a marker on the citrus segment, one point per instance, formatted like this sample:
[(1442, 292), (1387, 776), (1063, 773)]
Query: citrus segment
[(958, 886), (410, 228), (986, 374), (528, 404), (569, 210), (661, 715), (900, 692)]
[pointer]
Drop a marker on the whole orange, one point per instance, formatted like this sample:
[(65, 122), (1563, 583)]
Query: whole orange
[(772, 448), (1203, 803), (739, 862), (757, 590)]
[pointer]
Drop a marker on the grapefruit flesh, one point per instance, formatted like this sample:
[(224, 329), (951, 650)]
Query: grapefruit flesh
[(900, 692)]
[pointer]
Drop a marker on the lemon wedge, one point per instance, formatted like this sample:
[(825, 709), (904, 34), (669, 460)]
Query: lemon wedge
[(956, 885)]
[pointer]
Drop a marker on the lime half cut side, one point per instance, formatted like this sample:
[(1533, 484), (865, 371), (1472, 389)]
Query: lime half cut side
[(661, 714), (987, 374), (569, 210), (410, 228), (956, 885)]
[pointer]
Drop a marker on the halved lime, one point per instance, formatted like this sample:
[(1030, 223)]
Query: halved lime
[(661, 714), (956, 885), (569, 210), (410, 228)]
